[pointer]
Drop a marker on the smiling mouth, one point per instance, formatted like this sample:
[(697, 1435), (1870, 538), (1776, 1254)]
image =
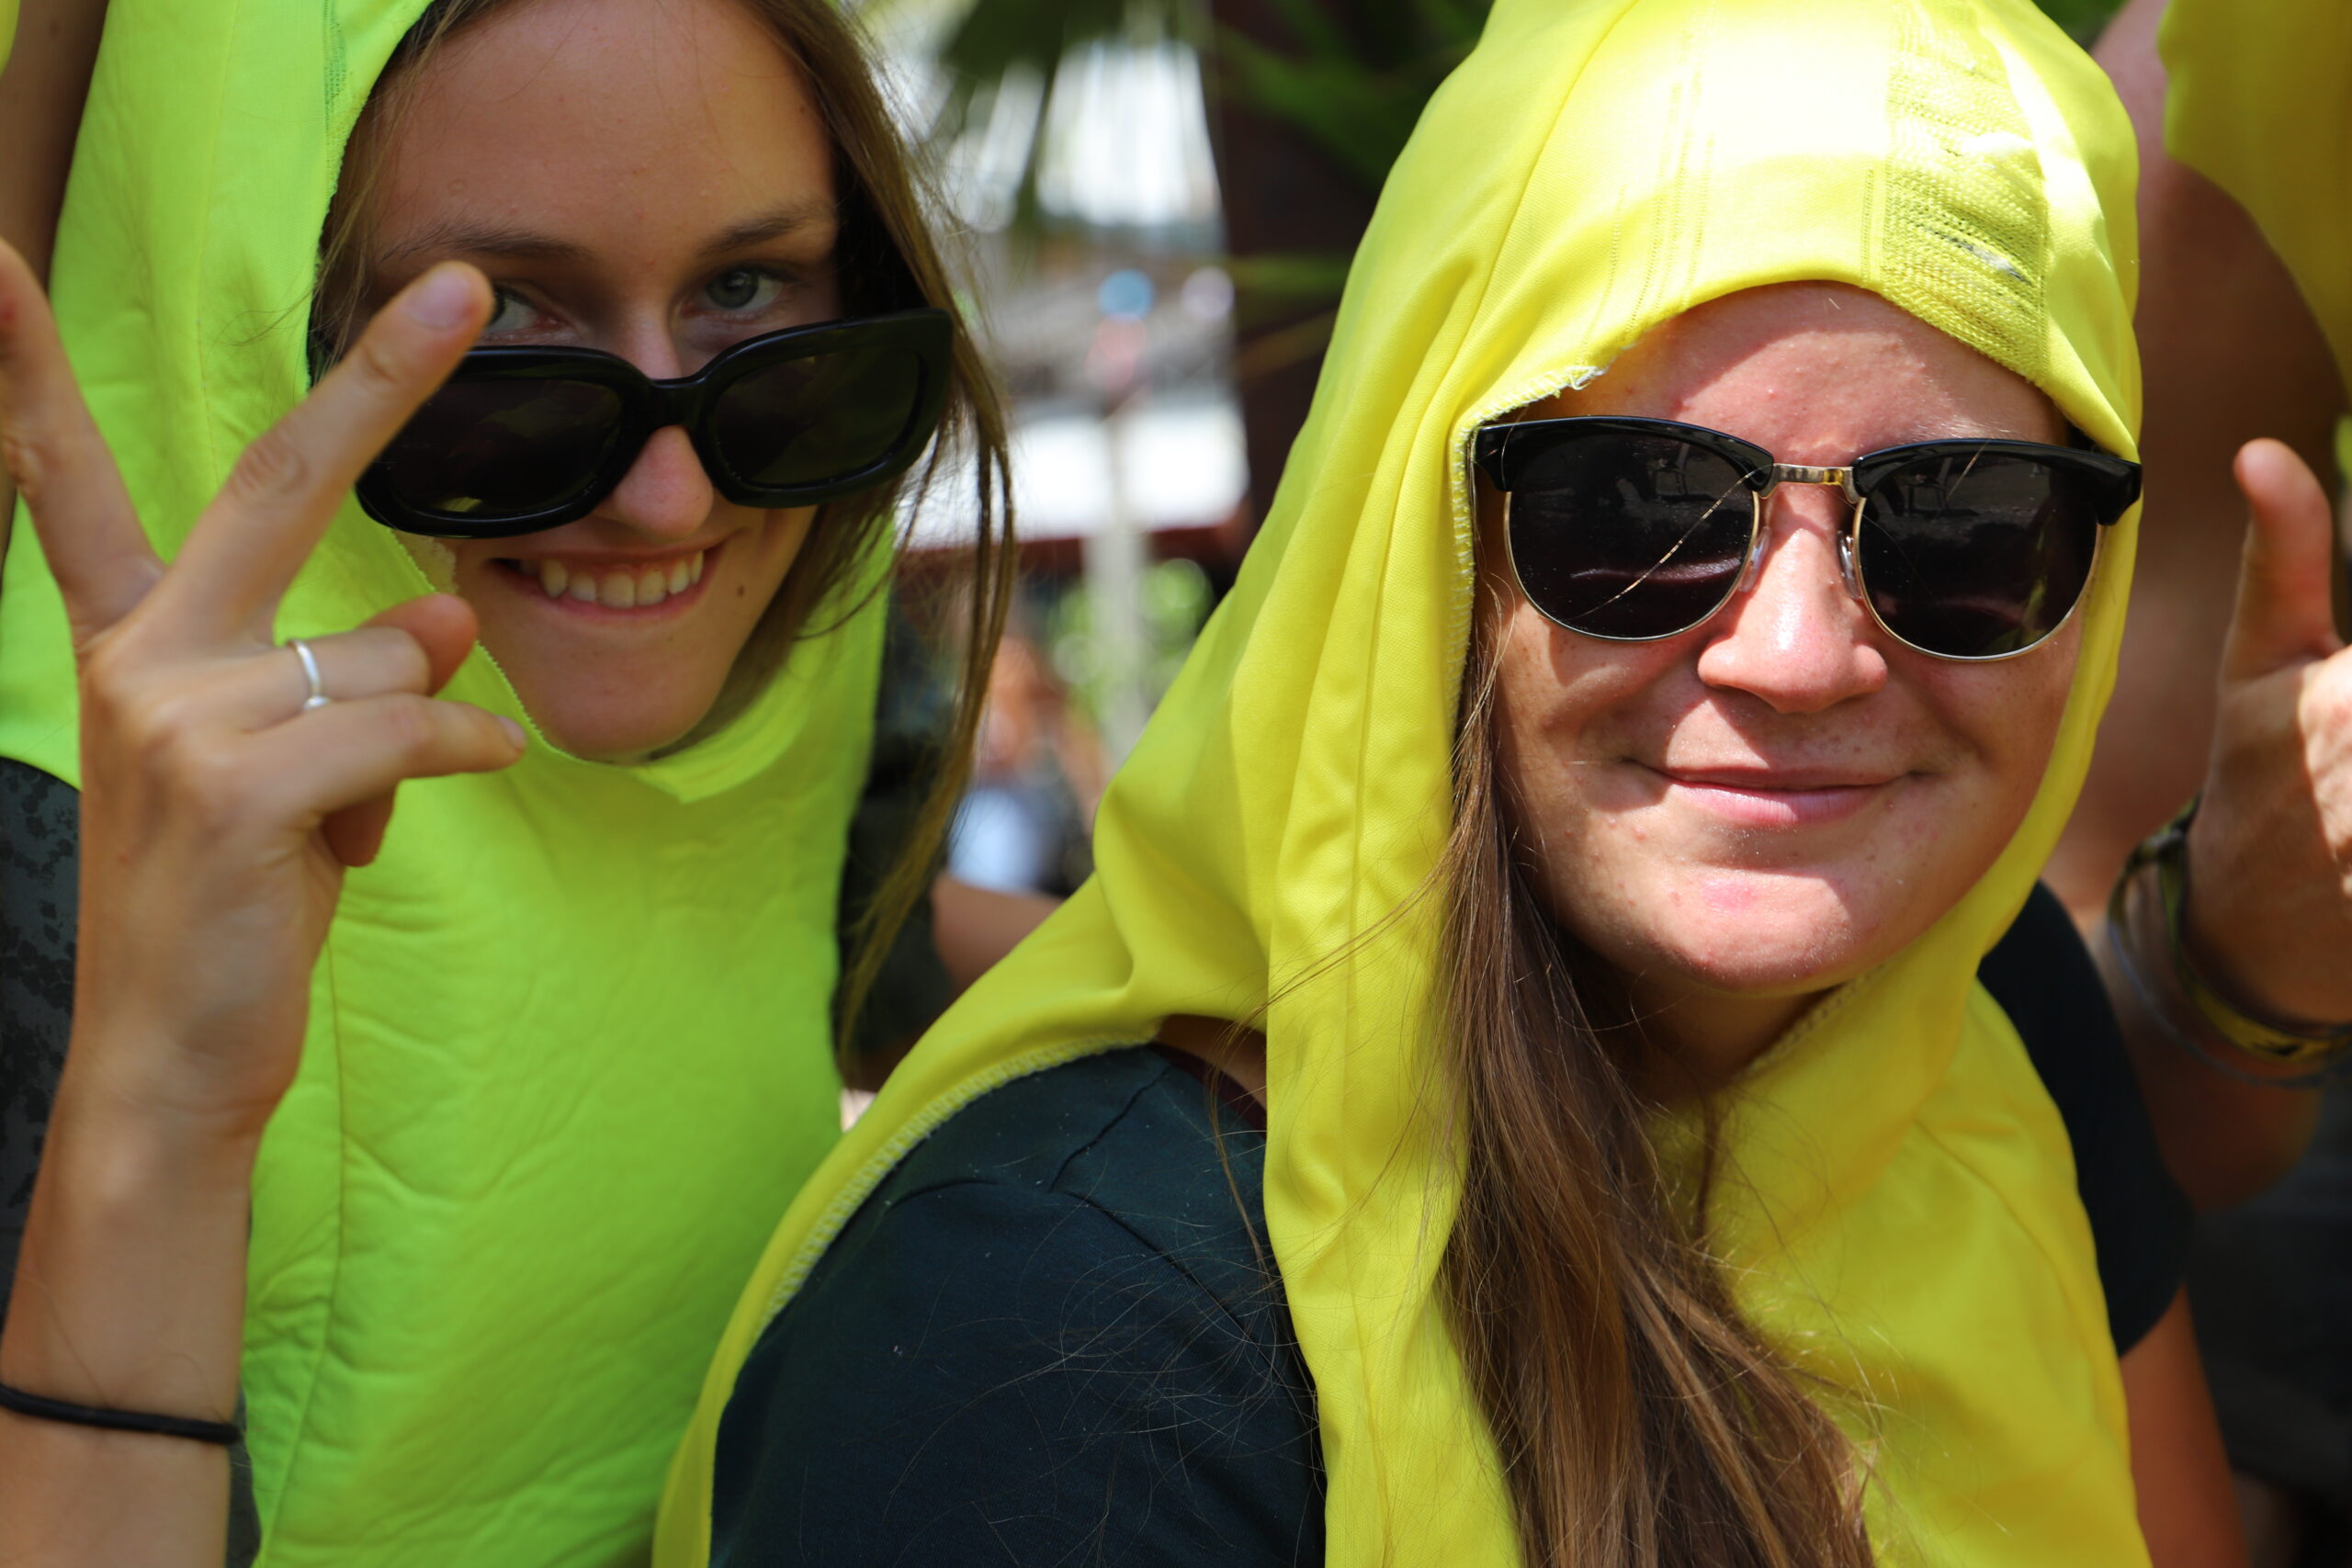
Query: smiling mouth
[(614, 585)]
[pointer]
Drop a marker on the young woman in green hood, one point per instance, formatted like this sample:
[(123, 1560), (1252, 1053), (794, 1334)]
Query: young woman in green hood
[(567, 1045)]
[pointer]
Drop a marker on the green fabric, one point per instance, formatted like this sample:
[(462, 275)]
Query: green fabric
[(1902, 1222), (569, 1053)]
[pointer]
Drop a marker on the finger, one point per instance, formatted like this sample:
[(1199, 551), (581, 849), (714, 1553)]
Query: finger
[(277, 501), (348, 754), (88, 528), (2285, 611), (443, 625), (263, 689), (355, 835)]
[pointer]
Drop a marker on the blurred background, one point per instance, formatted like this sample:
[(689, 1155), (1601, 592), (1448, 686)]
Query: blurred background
[(1159, 200)]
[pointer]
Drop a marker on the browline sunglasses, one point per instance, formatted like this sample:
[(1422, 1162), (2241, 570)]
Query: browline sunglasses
[(1636, 530), (522, 439)]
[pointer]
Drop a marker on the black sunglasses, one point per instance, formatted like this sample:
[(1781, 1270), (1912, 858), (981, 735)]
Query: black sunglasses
[(1636, 530), (521, 439)]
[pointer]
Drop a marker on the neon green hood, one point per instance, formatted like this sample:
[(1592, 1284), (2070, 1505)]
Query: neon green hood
[(569, 1042), (1903, 1222)]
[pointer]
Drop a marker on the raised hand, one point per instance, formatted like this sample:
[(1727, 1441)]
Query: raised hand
[(2270, 912), (219, 813)]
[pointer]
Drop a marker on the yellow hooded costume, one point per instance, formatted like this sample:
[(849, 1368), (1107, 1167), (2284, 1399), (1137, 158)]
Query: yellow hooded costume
[(2259, 101), (1905, 1223), (569, 1041)]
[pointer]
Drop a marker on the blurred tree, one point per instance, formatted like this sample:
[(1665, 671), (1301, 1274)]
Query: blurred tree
[(1313, 101)]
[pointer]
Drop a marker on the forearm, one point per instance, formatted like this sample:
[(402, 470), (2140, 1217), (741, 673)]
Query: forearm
[(2224, 1139), (129, 1294), (2186, 1509)]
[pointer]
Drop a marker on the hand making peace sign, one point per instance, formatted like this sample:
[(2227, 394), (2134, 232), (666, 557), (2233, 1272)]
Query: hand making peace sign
[(222, 799)]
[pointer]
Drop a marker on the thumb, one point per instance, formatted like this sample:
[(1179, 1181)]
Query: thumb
[(443, 624), (2286, 611)]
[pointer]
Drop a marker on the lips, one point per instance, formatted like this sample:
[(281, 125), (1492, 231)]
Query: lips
[(1777, 797)]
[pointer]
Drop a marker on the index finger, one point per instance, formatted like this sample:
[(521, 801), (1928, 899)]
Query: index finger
[(80, 507), (258, 531)]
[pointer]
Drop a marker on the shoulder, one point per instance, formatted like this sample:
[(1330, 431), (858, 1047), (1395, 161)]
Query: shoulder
[(1053, 1329)]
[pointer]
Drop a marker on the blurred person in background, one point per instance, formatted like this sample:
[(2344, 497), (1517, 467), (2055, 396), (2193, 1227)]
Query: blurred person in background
[(2243, 112), (551, 1062)]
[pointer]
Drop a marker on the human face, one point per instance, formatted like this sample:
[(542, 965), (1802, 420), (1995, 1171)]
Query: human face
[(653, 181), (1739, 818)]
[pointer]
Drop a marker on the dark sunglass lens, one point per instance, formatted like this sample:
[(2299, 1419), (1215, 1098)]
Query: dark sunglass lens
[(1629, 536), (816, 420), (1977, 556), (491, 451)]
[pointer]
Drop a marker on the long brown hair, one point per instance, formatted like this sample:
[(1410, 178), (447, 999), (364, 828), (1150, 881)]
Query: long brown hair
[(1642, 1421), (886, 259)]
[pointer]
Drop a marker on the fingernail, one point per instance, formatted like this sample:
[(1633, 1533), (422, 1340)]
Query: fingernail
[(514, 730), (442, 300)]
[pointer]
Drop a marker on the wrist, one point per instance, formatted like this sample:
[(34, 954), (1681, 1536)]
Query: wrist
[(130, 1286), (2149, 938)]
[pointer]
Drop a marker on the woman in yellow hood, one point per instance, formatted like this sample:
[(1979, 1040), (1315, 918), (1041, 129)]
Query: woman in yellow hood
[(568, 1047), (1646, 1179)]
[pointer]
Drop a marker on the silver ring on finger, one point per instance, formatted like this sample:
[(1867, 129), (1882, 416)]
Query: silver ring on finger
[(317, 697)]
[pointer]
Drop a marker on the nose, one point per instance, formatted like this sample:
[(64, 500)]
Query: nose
[(1795, 637), (665, 493)]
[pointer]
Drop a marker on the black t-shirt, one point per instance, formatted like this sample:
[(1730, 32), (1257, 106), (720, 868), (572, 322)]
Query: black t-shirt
[(1054, 1333)]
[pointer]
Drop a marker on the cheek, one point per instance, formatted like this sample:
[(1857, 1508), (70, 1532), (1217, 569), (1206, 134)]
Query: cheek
[(1569, 711), (2008, 714)]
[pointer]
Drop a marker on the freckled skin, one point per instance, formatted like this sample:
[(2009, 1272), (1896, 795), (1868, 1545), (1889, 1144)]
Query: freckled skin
[(637, 135), (1723, 918)]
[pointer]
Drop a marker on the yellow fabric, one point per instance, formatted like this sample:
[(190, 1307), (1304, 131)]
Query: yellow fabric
[(2259, 101), (568, 1052), (1904, 1218)]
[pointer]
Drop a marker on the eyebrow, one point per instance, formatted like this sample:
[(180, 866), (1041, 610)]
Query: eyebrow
[(516, 243)]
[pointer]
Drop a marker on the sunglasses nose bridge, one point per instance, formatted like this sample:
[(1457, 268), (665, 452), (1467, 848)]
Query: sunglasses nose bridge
[(1839, 478)]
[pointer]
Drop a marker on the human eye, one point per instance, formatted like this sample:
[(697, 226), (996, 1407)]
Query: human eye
[(510, 313), (745, 290)]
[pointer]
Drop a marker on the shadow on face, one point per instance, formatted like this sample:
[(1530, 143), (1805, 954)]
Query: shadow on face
[(651, 181), (1739, 816)]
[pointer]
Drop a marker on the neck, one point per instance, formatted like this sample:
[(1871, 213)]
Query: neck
[(1696, 1041)]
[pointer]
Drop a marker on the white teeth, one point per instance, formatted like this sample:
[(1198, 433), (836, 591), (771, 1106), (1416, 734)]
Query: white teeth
[(616, 587)]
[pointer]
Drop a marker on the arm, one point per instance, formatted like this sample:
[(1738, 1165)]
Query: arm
[(41, 89), (2187, 1508), (219, 815), (2233, 352), (974, 927)]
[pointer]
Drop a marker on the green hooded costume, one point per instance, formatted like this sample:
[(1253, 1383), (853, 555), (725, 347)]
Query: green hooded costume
[(569, 1053)]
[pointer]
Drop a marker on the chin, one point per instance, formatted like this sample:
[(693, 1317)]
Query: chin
[(603, 735), (1753, 934)]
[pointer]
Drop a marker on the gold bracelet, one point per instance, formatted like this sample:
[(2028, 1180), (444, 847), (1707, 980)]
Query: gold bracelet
[(2186, 1000)]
